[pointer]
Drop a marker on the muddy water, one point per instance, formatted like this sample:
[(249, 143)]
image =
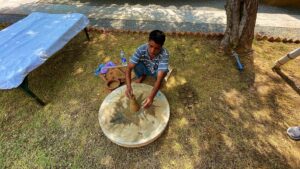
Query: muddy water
[(133, 128), (134, 105)]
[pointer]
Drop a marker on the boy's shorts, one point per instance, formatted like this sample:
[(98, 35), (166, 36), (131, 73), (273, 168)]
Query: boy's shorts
[(140, 69)]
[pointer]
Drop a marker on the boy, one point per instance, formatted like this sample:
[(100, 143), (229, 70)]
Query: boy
[(150, 59)]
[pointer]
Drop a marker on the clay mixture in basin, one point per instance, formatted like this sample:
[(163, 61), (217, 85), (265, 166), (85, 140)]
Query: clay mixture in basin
[(133, 129)]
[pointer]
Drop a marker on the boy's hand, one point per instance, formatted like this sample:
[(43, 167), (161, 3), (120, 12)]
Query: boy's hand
[(129, 91), (147, 103)]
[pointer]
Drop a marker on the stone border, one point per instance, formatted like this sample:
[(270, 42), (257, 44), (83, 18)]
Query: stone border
[(260, 37), (209, 35)]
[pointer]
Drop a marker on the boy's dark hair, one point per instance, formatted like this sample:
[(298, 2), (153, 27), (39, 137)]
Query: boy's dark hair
[(158, 37)]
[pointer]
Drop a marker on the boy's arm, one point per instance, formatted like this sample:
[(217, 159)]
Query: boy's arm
[(160, 76), (129, 91), (131, 64)]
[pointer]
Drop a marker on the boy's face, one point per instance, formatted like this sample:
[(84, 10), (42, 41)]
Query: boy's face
[(153, 48)]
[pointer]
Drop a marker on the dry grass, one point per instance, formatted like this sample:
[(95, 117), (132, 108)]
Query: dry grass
[(220, 118)]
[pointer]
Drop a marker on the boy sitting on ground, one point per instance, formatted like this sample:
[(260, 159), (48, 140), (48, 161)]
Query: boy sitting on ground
[(150, 59)]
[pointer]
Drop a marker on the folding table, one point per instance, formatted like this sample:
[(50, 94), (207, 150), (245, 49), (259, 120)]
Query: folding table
[(28, 43)]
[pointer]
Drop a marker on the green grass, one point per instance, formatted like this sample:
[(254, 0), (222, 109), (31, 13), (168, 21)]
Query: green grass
[(220, 118)]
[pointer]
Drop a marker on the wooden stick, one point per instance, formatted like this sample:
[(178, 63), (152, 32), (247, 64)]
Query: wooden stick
[(288, 80)]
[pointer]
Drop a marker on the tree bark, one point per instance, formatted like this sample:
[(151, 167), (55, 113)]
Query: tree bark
[(239, 33)]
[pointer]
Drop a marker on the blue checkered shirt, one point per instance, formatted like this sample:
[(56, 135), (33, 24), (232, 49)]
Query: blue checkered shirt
[(159, 63)]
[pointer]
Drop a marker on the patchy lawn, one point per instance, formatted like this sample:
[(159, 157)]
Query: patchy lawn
[(220, 117)]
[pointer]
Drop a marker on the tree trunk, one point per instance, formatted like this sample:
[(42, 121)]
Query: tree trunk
[(239, 34)]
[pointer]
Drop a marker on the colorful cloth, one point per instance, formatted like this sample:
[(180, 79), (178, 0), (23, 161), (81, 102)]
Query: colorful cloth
[(102, 68)]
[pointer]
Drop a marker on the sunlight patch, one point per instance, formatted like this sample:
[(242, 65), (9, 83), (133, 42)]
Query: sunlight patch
[(65, 120), (263, 114), (228, 141), (183, 122), (78, 71), (175, 81), (194, 142), (117, 24), (259, 129), (106, 59), (197, 51), (100, 53), (233, 98), (235, 114), (177, 147), (107, 161), (73, 101)]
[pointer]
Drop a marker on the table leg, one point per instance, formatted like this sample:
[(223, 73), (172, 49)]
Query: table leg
[(87, 34), (24, 86)]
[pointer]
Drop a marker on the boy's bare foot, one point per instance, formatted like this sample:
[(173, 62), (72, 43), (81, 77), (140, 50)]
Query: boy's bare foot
[(141, 79)]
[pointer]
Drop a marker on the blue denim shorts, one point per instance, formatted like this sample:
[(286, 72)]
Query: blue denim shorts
[(140, 69)]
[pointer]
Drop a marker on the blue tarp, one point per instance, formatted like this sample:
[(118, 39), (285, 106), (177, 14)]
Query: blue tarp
[(28, 43)]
